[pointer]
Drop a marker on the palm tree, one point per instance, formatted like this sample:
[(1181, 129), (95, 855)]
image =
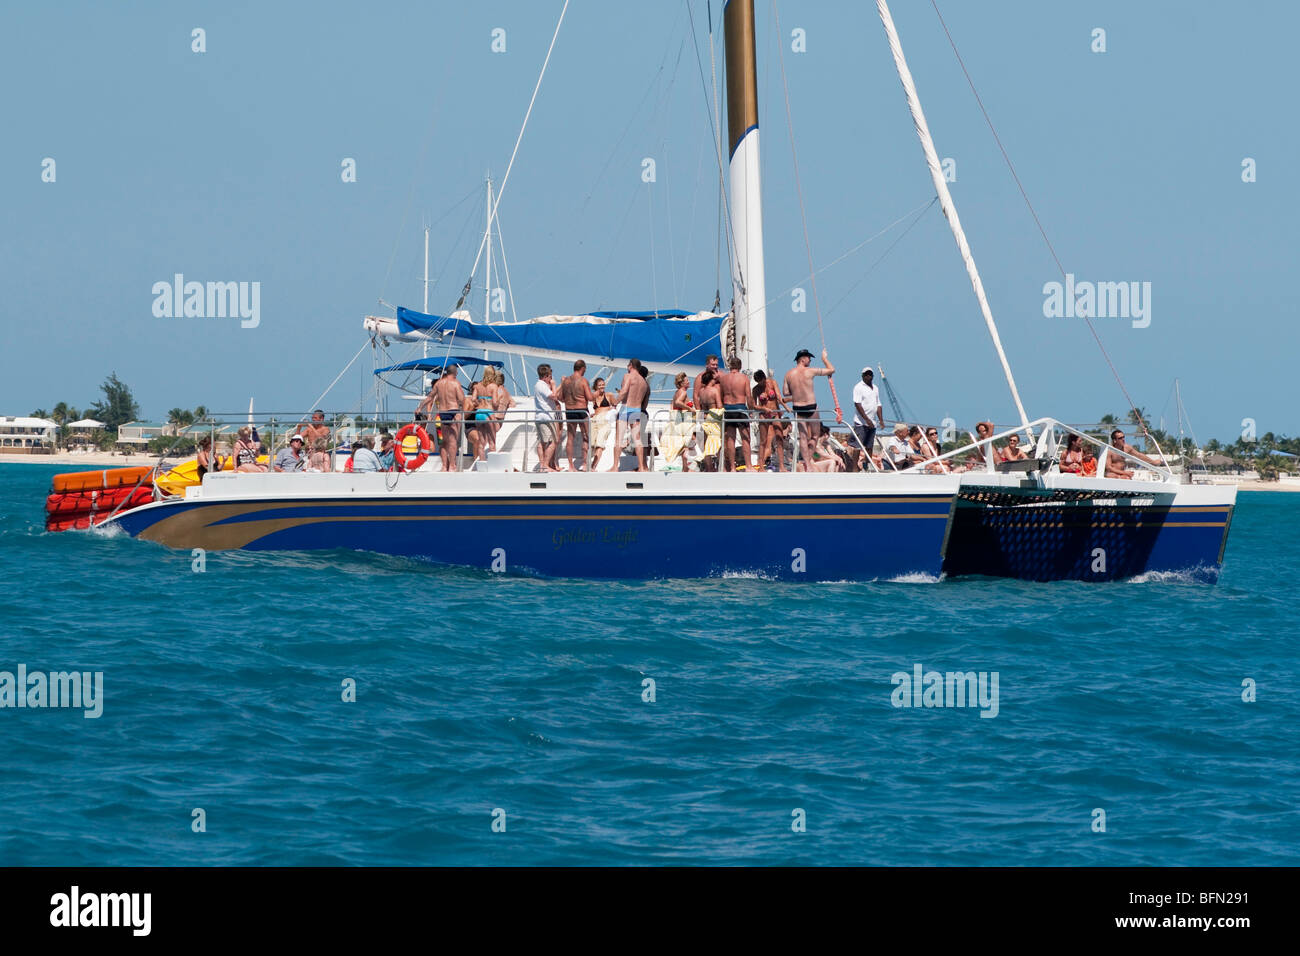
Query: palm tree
[(40, 413), (200, 412), (180, 417)]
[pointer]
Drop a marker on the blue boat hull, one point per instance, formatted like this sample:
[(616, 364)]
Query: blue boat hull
[(822, 537)]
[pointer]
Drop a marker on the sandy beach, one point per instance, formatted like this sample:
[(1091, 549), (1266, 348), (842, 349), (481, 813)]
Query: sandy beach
[(96, 459)]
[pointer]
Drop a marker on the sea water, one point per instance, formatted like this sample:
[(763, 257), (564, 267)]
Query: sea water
[(345, 708)]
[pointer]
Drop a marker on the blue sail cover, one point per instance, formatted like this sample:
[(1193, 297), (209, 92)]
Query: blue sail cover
[(664, 337), (437, 365)]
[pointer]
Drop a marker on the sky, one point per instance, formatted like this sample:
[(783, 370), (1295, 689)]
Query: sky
[(228, 165)]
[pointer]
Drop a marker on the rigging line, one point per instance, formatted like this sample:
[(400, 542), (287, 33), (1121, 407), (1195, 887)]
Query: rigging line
[(1043, 232), (716, 129), (803, 212), (654, 278), (410, 194), (690, 227), (510, 292), (632, 119), (870, 239), (520, 138), (883, 256), (722, 188), (320, 398)]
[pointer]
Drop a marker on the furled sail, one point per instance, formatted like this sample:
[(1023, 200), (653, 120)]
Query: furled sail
[(665, 340)]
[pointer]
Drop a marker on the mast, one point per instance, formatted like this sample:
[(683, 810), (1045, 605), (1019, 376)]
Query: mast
[(748, 282), (425, 310), (487, 238), (945, 198)]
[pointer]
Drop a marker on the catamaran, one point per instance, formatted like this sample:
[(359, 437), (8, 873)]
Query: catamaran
[(1025, 519)]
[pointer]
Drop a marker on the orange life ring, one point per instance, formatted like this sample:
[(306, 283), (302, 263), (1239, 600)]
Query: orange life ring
[(411, 447)]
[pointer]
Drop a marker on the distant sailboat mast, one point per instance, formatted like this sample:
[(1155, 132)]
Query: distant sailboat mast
[(945, 198), (748, 282)]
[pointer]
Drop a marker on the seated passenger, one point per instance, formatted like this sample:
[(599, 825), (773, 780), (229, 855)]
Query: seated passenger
[(364, 457), (245, 451), (320, 456), (1116, 466), (931, 448), (1072, 456), (898, 453), (290, 458), (385, 451), (1013, 451), (977, 460)]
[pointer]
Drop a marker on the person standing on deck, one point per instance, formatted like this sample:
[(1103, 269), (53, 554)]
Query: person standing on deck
[(710, 365), (449, 399), (736, 403), (803, 397), (577, 397), (866, 410), (547, 399), (633, 394)]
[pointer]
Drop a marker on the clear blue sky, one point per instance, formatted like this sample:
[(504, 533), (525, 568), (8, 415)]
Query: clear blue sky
[(225, 166)]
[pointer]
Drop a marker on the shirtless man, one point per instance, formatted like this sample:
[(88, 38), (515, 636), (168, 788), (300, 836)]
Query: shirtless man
[(710, 364), (449, 399), (1117, 467), (633, 394), (577, 397), (314, 430), (736, 402), (803, 397), (1013, 451)]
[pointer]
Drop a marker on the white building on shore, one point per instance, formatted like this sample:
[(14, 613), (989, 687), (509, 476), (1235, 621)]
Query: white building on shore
[(27, 436)]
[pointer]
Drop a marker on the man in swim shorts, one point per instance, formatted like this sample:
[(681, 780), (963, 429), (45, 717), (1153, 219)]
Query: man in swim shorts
[(802, 396), (735, 401), (449, 399), (577, 396), (633, 395)]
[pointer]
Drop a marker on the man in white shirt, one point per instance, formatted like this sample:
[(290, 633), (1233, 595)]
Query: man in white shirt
[(866, 406), (546, 397)]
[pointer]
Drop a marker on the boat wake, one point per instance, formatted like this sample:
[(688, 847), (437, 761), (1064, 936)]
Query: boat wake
[(1200, 575)]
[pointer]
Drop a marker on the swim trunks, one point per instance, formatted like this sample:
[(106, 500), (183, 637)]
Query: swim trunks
[(447, 417), (632, 416), (805, 411), (575, 414), (737, 413)]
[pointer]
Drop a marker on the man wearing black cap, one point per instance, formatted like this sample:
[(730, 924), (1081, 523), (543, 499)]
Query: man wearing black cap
[(866, 406), (802, 397)]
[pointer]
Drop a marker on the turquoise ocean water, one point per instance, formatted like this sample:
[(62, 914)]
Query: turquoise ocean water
[(222, 691)]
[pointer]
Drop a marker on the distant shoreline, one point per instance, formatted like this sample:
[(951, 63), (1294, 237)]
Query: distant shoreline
[(101, 459), (95, 458)]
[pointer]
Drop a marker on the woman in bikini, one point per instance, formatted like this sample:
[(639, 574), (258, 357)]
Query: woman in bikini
[(1072, 457), (245, 451), (682, 424), (479, 405), (502, 402), (710, 401), (768, 401), (203, 456), (602, 421)]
